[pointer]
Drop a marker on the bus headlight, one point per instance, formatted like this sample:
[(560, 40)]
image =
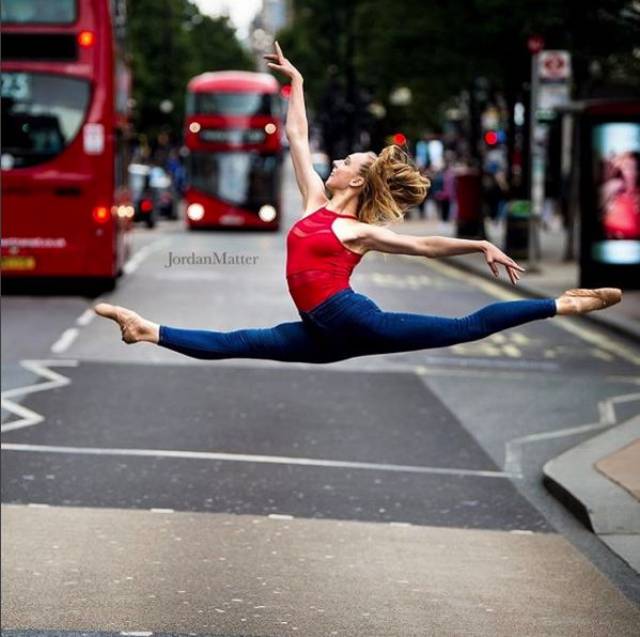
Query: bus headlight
[(270, 129), (267, 213), (195, 211)]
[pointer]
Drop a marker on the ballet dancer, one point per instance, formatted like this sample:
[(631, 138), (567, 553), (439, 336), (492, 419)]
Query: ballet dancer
[(369, 192)]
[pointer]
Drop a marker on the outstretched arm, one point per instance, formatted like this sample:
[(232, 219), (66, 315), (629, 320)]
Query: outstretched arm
[(385, 240), (309, 182)]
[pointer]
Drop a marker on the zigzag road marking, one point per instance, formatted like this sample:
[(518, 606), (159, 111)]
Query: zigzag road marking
[(27, 417), (607, 418)]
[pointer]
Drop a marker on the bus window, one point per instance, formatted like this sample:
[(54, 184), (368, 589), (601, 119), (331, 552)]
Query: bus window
[(41, 115), (230, 104), (38, 11), (239, 178)]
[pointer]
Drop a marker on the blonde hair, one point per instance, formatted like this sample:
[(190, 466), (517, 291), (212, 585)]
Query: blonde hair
[(393, 183)]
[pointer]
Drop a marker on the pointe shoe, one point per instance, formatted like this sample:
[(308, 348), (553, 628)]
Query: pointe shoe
[(128, 320), (587, 300)]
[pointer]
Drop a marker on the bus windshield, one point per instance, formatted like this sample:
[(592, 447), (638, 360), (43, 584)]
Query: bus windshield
[(231, 104), (41, 115), (38, 11), (239, 178)]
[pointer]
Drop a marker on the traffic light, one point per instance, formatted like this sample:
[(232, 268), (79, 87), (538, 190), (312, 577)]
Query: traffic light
[(491, 138)]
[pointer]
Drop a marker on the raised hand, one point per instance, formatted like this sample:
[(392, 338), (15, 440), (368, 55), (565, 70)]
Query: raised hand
[(280, 63), (495, 256)]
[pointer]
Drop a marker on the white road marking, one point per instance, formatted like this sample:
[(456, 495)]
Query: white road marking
[(238, 457), (86, 317), (27, 417), (67, 337), (162, 511), (280, 516), (134, 262), (608, 418)]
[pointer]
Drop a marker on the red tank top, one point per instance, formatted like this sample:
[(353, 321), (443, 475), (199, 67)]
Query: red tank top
[(318, 265)]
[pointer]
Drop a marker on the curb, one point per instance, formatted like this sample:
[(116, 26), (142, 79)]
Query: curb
[(605, 508), (623, 328)]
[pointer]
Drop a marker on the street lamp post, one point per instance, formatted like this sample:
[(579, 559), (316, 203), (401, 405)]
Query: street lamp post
[(535, 45)]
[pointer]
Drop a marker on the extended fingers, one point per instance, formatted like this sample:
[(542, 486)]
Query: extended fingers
[(506, 261)]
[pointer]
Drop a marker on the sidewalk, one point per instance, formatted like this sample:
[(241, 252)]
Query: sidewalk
[(555, 275), (598, 480)]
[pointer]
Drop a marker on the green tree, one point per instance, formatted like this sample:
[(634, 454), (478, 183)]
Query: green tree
[(438, 49)]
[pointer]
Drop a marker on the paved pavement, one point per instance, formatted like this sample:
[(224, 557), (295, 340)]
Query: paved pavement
[(599, 480), (230, 574)]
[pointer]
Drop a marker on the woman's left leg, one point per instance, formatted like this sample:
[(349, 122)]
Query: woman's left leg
[(388, 332)]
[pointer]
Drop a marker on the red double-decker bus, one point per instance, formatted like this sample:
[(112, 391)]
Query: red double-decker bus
[(65, 90), (233, 131)]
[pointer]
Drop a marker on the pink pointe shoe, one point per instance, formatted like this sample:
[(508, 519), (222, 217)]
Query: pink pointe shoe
[(586, 300)]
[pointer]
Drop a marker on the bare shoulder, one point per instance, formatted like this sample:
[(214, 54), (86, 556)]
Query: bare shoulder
[(351, 233)]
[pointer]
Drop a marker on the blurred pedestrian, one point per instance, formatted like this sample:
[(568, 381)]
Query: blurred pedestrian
[(445, 194)]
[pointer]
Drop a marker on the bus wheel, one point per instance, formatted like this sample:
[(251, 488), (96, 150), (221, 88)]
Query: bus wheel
[(151, 221)]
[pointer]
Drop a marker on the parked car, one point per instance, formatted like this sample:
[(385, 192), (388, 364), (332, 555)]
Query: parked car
[(142, 194)]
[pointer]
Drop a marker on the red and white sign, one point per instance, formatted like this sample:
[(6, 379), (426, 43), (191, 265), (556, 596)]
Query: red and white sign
[(554, 65)]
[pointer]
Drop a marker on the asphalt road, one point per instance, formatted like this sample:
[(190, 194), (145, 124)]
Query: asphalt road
[(147, 492)]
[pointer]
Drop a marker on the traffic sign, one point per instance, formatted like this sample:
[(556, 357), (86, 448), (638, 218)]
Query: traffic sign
[(554, 65)]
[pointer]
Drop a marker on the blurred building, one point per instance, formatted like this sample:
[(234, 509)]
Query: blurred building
[(273, 16)]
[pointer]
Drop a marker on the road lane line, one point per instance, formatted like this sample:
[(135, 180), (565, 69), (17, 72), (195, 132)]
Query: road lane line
[(86, 317), (134, 262), (67, 337), (238, 457)]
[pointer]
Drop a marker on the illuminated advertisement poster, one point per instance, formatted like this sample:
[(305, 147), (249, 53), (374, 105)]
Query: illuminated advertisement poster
[(616, 179)]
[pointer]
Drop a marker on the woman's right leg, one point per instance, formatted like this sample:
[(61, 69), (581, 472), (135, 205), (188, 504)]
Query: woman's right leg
[(294, 342), (298, 341)]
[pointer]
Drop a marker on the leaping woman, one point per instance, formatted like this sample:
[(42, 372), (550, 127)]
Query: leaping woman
[(369, 191)]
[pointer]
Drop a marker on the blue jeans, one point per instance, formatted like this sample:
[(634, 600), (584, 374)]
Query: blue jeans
[(349, 324)]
